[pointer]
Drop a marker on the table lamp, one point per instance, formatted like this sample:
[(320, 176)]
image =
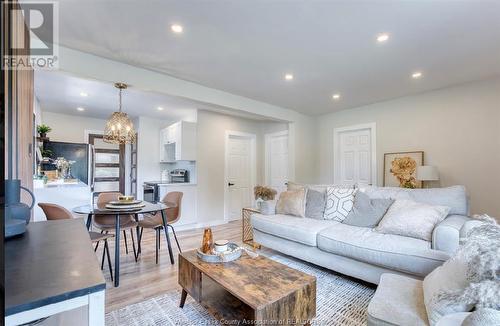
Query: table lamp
[(427, 173)]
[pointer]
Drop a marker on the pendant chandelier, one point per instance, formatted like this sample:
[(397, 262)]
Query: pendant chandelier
[(119, 128)]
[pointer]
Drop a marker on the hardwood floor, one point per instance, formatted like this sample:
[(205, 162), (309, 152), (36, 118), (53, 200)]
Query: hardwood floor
[(144, 279)]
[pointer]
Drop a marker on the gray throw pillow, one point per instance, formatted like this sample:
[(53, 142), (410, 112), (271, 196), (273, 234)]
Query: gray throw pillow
[(315, 204), (367, 212)]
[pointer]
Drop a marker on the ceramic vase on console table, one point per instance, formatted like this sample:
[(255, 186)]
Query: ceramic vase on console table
[(264, 199), (207, 242)]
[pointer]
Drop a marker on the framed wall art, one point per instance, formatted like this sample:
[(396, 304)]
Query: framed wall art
[(400, 169)]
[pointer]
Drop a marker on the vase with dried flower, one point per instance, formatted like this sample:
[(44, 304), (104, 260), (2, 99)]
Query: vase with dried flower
[(263, 197), (208, 241)]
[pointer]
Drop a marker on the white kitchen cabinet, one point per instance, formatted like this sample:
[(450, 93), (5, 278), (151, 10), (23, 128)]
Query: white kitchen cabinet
[(178, 142), (188, 204)]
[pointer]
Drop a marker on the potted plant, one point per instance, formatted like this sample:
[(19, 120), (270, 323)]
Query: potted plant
[(46, 153), (264, 197), (43, 130)]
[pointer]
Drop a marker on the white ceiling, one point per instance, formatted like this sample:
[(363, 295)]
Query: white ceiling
[(60, 93), (245, 47)]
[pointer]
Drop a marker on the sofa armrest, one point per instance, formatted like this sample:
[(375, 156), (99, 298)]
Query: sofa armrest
[(446, 235), (469, 225)]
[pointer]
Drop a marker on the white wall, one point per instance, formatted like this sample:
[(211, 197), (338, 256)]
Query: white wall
[(148, 150), (70, 128), (304, 133), (458, 128), (211, 158)]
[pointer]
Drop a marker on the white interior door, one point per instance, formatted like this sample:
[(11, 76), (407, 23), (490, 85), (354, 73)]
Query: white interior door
[(277, 160), (239, 175), (354, 157)]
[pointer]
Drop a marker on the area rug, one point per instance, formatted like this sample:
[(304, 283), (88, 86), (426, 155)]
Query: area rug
[(339, 301)]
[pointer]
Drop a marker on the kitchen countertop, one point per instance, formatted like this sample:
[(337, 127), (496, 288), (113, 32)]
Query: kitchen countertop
[(58, 184), (52, 262), (167, 183)]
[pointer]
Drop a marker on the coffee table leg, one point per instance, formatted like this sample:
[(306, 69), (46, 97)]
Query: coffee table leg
[(117, 251), (183, 298)]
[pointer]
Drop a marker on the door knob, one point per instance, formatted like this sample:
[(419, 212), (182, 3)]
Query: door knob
[(230, 184)]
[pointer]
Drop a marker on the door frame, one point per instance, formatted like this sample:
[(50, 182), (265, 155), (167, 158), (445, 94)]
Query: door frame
[(253, 165), (121, 164), (267, 155), (372, 126)]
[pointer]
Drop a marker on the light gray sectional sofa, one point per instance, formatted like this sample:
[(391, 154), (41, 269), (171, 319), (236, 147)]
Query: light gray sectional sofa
[(364, 253)]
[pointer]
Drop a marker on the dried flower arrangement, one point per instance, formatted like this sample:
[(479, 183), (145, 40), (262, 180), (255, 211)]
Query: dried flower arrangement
[(403, 168), (264, 193)]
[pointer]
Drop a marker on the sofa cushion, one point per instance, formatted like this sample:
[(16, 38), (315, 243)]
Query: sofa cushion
[(292, 202), (339, 202), (315, 204), (408, 255), (367, 212), (397, 301), (302, 230), (317, 187), (454, 197), (412, 219)]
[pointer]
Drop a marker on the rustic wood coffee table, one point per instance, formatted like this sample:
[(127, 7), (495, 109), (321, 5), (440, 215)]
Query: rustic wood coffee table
[(253, 290)]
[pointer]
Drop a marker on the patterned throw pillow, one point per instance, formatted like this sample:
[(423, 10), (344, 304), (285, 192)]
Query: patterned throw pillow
[(339, 202)]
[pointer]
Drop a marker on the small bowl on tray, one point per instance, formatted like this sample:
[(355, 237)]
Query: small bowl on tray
[(233, 252)]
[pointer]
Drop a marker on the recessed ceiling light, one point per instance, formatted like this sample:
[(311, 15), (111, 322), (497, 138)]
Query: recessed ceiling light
[(84, 94), (160, 108), (288, 77), (336, 96), (80, 109), (416, 75), (382, 37), (176, 28)]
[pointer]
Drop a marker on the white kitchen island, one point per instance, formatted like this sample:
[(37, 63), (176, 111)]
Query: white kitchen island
[(68, 195), (189, 216)]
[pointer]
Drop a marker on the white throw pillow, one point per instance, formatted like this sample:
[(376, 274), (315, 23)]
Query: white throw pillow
[(411, 219), (292, 202), (450, 277), (339, 203)]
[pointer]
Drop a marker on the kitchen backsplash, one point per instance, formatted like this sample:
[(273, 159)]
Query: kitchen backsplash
[(187, 165)]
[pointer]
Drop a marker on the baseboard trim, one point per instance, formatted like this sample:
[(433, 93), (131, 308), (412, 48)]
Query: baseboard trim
[(192, 226)]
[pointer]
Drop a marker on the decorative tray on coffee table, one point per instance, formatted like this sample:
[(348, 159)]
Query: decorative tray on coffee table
[(233, 253)]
